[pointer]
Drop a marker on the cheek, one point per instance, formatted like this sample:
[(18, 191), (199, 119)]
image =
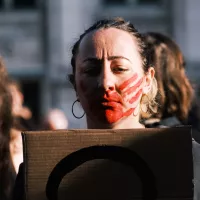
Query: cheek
[(134, 99), (85, 86), (82, 86), (132, 89), (81, 83)]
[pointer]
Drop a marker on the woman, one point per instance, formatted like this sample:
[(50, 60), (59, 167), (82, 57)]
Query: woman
[(10, 139), (176, 95), (7, 171), (23, 119), (112, 75), (113, 78)]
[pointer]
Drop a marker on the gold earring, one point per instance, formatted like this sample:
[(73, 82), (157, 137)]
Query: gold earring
[(144, 102)]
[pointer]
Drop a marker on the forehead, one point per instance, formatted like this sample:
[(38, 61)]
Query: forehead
[(110, 41)]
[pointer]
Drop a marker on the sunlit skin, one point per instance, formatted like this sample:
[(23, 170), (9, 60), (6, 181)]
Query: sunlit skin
[(110, 79)]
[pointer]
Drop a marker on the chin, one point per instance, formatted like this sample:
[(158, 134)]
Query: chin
[(109, 117)]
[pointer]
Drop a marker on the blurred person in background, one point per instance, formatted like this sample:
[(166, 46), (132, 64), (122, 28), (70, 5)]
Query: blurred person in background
[(22, 121), (11, 153), (55, 119), (177, 104), (3, 71), (8, 148), (176, 99), (22, 115)]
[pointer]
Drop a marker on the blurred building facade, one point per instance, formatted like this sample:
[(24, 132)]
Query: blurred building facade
[(36, 37)]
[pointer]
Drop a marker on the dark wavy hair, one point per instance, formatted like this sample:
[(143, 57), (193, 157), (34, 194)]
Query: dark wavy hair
[(6, 167), (175, 94), (121, 24), (3, 70)]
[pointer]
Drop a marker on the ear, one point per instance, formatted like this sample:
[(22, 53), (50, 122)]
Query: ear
[(148, 80)]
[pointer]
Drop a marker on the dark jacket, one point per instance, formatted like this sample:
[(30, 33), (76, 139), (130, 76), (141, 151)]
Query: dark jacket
[(156, 123)]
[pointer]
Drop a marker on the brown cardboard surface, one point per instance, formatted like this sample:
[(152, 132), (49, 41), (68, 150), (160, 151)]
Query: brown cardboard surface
[(166, 151)]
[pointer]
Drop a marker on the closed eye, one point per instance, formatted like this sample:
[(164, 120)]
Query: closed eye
[(92, 71), (119, 69)]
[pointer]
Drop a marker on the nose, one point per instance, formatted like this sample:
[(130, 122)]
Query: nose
[(107, 80)]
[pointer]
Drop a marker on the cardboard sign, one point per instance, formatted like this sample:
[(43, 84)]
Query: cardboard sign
[(109, 164)]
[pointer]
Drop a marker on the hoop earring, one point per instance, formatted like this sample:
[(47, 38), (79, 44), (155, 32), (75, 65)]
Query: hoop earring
[(73, 111), (143, 108)]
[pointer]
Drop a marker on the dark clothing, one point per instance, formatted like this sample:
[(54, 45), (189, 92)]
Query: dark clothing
[(194, 115), (168, 122), (25, 124), (174, 122), (7, 182), (19, 193), (194, 120)]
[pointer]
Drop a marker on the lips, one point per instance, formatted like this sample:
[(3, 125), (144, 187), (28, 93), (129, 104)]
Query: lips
[(111, 97), (110, 107), (111, 104), (109, 100)]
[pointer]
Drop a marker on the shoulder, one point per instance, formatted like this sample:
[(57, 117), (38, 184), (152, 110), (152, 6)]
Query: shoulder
[(153, 123), (162, 123)]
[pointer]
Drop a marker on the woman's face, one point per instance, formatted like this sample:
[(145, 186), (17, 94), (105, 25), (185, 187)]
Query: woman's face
[(109, 75)]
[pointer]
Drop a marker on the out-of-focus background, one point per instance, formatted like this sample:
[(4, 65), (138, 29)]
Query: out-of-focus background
[(36, 37)]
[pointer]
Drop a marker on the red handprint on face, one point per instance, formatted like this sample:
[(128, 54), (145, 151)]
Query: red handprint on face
[(131, 91), (113, 105)]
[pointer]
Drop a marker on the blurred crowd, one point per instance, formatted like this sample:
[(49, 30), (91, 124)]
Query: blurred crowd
[(15, 117)]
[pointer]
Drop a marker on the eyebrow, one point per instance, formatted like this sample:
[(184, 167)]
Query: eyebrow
[(91, 60), (109, 58), (118, 57)]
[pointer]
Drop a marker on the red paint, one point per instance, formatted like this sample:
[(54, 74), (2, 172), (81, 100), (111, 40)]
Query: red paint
[(113, 116), (135, 97), (112, 102), (113, 107), (128, 112), (110, 107), (127, 82), (110, 96), (133, 88)]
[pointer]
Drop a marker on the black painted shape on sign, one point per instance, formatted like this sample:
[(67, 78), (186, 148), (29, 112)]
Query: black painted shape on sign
[(114, 153)]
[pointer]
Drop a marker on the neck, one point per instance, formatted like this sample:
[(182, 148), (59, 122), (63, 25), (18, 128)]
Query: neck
[(128, 123)]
